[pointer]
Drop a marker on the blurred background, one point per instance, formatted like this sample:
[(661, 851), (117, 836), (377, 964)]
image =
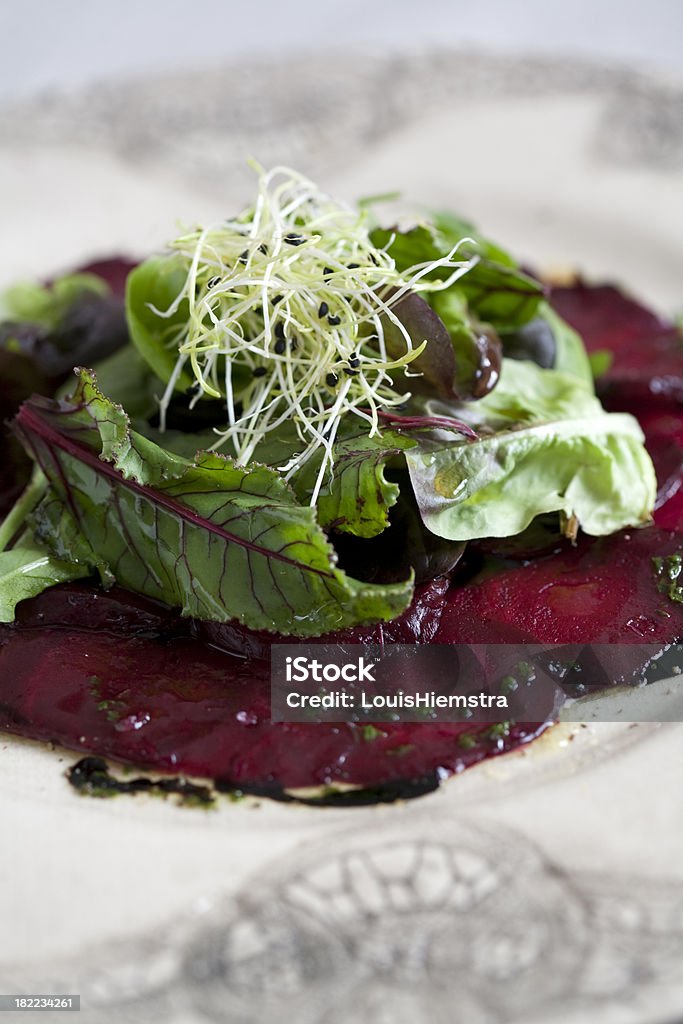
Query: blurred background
[(70, 43), (556, 125), (532, 118)]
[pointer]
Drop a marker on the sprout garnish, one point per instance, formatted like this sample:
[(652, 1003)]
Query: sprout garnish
[(286, 309)]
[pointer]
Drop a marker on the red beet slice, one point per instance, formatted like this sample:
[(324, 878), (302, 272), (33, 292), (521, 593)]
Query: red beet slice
[(175, 705), (648, 350), (601, 591)]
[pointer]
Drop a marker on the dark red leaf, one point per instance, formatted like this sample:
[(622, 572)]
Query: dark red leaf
[(437, 362)]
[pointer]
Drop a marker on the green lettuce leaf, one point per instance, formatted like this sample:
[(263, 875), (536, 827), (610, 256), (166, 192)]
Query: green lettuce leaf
[(496, 292), (356, 496), (216, 540), (479, 352), (527, 394), (548, 446), (28, 569), (154, 285), (46, 305), (570, 354), (600, 362), (453, 228)]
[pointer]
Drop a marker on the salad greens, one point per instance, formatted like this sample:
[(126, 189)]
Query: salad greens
[(46, 306), (546, 445), (594, 471), (495, 290), (217, 540), (27, 570), (357, 497), (155, 284), (46, 329), (292, 384)]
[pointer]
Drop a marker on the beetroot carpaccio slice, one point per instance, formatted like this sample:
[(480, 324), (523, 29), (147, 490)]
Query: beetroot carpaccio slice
[(647, 350), (115, 675), (601, 591)]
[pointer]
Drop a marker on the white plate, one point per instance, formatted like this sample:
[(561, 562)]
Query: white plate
[(540, 887)]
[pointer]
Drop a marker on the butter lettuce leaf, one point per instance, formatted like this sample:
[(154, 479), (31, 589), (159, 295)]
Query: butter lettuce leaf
[(219, 541), (570, 354), (527, 394), (546, 445)]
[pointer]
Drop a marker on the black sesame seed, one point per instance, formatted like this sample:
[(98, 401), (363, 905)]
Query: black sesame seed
[(354, 361), (276, 298), (332, 380), (293, 239), (350, 373), (334, 320), (279, 329), (280, 346), (327, 271), (244, 256), (260, 371), (212, 282), (263, 248), (353, 266), (294, 344), (323, 310)]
